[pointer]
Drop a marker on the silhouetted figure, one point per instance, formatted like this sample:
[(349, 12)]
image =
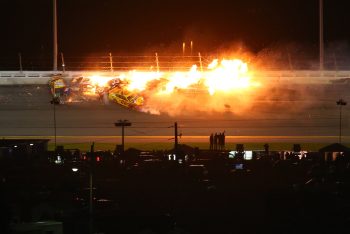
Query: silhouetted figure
[(296, 148), (240, 148), (216, 141), (239, 152), (266, 147), (223, 140), (219, 141), (211, 141)]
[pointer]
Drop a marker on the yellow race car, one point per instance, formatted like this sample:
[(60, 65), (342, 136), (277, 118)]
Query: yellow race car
[(125, 98), (58, 88)]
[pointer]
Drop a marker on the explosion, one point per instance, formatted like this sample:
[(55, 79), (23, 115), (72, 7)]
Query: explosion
[(229, 75), (223, 84)]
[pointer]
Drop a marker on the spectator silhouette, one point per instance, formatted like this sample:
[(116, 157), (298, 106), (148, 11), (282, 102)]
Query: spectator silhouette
[(216, 141), (223, 140), (211, 141), (266, 147)]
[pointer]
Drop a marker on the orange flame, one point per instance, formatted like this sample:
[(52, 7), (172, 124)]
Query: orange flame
[(228, 76), (223, 77)]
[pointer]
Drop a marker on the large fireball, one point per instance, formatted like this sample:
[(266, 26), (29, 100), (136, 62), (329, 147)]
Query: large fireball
[(223, 84)]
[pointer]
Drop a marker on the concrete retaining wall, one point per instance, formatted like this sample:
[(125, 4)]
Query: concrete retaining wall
[(24, 81), (42, 77)]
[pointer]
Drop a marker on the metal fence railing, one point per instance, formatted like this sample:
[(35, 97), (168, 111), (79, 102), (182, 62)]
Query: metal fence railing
[(167, 62)]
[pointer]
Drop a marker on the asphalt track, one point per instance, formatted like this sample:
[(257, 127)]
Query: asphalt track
[(25, 111)]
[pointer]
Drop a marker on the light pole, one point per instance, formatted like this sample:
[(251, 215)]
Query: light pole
[(340, 103), (176, 139), (321, 35), (55, 101), (91, 168), (55, 47), (176, 145), (20, 62), (122, 123)]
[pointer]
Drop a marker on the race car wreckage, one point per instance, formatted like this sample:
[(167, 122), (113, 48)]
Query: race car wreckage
[(82, 89), (223, 81)]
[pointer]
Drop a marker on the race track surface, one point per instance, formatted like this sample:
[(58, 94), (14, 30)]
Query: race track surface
[(25, 111)]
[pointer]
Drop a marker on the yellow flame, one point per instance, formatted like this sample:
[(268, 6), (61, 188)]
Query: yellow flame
[(138, 81), (225, 76), (100, 81), (182, 80)]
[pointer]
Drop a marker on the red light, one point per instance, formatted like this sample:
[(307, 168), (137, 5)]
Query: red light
[(98, 159), (84, 158)]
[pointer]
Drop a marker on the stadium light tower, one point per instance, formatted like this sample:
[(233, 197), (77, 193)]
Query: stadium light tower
[(55, 47), (340, 103), (122, 123), (321, 35)]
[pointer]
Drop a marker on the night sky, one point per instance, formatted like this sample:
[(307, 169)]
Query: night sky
[(137, 26)]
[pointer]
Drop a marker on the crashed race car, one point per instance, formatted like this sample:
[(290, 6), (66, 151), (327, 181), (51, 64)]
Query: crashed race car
[(83, 89), (125, 98), (58, 88)]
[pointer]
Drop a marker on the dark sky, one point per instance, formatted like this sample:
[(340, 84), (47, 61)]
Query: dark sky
[(136, 26)]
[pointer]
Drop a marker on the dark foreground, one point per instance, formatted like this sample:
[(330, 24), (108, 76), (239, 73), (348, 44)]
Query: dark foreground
[(209, 193)]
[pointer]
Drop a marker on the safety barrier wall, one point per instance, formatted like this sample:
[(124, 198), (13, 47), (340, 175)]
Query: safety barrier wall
[(301, 76)]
